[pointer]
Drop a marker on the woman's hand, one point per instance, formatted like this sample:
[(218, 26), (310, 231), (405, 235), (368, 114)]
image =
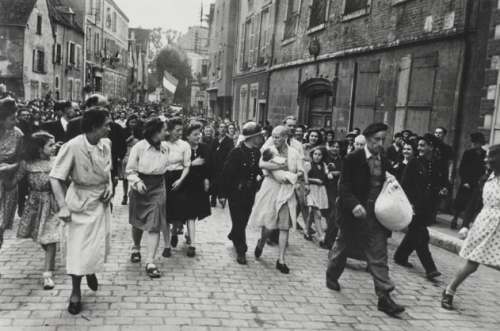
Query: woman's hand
[(207, 185), (336, 173), (65, 215), (176, 185), (198, 162), (108, 194), (464, 232), (140, 187)]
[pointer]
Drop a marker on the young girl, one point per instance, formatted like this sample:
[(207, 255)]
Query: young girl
[(317, 199), (40, 220)]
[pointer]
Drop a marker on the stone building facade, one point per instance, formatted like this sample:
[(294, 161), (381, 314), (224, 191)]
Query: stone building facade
[(26, 48), (139, 42)]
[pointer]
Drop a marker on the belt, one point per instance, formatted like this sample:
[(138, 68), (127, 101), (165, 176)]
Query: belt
[(90, 188)]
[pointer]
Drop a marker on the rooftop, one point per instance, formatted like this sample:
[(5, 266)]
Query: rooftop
[(16, 12)]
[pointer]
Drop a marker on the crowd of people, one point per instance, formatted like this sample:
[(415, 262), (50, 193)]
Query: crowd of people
[(60, 173)]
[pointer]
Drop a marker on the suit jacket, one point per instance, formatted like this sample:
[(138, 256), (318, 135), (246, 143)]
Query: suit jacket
[(55, 128), (354, 184), (219, 151), (472, 167), (392, 154)]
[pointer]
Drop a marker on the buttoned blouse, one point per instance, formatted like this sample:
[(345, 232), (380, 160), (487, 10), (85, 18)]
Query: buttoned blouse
[(179, 155), (146, 159)]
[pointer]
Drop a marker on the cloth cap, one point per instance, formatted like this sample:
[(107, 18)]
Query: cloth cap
[(374, 128), (430, 139), (351, 134), (477, 137), (398, 135), (404, 131)]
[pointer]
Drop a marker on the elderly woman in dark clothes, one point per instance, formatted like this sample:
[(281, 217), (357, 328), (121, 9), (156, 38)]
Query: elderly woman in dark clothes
[(197, 182), (148, 205)]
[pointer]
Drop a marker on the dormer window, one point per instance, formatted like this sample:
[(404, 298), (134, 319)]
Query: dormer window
[(39, 24)]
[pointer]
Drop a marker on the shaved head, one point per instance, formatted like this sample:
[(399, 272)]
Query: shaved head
[(282, 131)]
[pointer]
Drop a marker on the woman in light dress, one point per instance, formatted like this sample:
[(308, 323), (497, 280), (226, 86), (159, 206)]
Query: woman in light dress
[(11, 141), (482, 245), (85, 204)]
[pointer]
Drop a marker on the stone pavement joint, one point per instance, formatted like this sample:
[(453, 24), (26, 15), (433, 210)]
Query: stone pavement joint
[(212, 292)]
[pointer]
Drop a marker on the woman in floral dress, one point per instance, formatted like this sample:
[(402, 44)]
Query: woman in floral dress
[(40, 220), (11, 140), (482, 245)]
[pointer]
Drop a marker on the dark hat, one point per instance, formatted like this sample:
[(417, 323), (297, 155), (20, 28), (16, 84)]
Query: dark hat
[(430, 139), (406, 130), (351, 134), (477, 137), (374, 128), (250, 129), (398, 135)]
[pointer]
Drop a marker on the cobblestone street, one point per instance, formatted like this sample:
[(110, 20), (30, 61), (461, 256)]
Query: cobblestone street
[(213, 292)]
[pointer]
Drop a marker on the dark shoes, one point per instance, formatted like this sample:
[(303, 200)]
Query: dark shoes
[(258, 251), (124, 201), (241, 259), (167, 252), (152, 271), (135, 257), (322, 244), (454, 224), (405, 264), (188, 239), (447, 301), (333, 284), (92, 282), (433, 274), (308, 237), (191, 251), (388, 306), (282, 267), (74, 308), (174, 241)]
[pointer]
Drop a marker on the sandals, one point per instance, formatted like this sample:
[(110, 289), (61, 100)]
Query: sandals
[(153, 271), (135, 257)]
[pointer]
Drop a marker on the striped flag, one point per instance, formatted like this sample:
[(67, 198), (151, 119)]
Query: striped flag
[(169, 81)]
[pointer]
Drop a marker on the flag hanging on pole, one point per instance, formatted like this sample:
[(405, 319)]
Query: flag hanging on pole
[(169, 81)]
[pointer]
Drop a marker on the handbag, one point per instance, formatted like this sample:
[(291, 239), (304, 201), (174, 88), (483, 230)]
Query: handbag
[(392, 208)]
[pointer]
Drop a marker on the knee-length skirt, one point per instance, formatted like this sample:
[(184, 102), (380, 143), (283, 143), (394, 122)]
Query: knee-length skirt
[(177, 201), (148, 211)]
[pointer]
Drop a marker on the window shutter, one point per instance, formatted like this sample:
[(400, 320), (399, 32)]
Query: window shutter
[(242, 46), (44, 62), (251, 43), (266, 53), (54, 53), (35, 60), (257, 36), (68, 62)]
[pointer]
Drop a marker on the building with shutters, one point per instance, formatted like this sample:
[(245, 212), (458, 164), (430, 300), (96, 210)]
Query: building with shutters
[(411, 64), (222, 31), (26, 48), (105, 47), (138, 52), (253, 50), (195, 40), (68, 57)]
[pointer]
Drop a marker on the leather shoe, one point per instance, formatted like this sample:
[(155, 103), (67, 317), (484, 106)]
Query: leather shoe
[(191, 251), (388, 306), (92, 282), (167, 252), (258, 251), (282, 267), (241, 259), (174, 241), (405, 264), (433, 274), (333, 284), (74, 308), (447, 301)]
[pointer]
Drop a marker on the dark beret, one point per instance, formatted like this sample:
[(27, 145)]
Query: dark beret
[(374, 128), (477, 137), (430, 139), (398, 135), (404, 131)]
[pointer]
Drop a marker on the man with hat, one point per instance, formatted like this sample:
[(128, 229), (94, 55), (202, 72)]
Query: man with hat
[(406, 134), (362, 177), (395, 151), (424, 181), (221, 146), (350, 137), (238, 183), (471, 168)]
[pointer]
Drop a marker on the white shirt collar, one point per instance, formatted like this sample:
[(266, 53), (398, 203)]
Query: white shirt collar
[(369, 154), (89, 146), (64, 123), (396, 146)]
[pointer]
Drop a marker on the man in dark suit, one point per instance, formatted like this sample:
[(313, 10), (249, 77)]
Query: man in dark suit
[(221, 146), (362, 177), (348, 145), (238, 183), (58, 127), (395, 151)]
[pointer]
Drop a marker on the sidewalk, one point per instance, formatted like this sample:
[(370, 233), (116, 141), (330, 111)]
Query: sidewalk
[(444, 237)]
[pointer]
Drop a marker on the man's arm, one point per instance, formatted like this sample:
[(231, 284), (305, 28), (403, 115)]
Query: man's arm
[(346, 187)]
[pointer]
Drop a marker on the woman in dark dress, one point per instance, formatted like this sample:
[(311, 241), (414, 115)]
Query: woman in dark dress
[(197, 182)]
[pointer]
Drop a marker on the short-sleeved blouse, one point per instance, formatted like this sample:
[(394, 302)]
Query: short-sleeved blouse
[(179, 155)]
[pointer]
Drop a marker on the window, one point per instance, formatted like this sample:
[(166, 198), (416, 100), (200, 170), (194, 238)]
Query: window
[(292, 15), (78, 90), (108, 18), (88, 40), (56, 82), (39, 24), (356, 8), (71, 54), (247, 27), (58, 53), (39, 61), (34, 94), (78, 57), (219, 66), (318, 12), (114, 21), (45, 89), (223, 11), (98, 11), (264, 38), (70, 90), (97, 44)]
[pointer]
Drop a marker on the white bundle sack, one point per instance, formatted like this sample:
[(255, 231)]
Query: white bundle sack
[(392, 207)]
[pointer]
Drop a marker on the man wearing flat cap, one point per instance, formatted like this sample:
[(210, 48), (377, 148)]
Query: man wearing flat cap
[(349, 143), (239, 184), (471, 169), (424, 181), (362, 177)]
